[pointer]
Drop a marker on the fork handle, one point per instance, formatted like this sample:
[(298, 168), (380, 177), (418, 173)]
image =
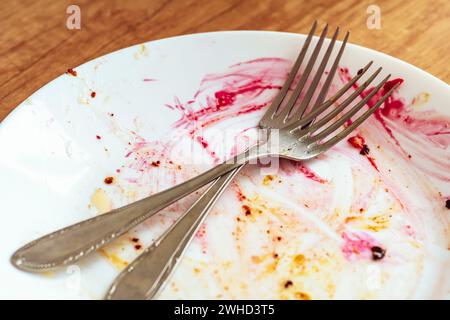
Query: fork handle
[(150, 272), (69, 244)]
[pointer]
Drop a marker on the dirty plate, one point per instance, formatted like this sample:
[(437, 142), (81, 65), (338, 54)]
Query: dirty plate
[(368, 219)]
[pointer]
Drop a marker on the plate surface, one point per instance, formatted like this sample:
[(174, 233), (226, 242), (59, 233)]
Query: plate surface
[(131, 123)]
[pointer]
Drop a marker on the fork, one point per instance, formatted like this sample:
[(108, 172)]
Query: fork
[(293, 139), (147, 275)]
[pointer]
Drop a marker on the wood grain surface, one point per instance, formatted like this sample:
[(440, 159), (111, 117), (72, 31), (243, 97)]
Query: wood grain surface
[(36, 46)]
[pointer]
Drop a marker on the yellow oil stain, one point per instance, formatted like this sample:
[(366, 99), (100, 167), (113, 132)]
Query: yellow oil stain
[(115, 260), (421, 99), (83, 101), (142, 52), (373, 223), (302, 295), (268, 179), (299, 261), (100, 201), (379, 222)]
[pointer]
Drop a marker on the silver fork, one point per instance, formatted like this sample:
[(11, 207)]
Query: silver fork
[(148, 274), (296, 142)]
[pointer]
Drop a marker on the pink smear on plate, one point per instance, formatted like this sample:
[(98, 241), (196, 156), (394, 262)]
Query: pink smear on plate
[(414, 132), (358, 245)]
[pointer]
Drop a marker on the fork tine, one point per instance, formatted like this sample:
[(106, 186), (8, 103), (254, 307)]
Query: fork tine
[(270, 113), (313, 86), (344, 133), (283, 114), (333, 127), (344, 104), (313, 114), (323, 92)]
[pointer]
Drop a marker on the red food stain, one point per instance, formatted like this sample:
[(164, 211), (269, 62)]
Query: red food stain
[(156, 163), (308, 173), (426, 129), (395, 109), (98, 137), (201, 235), (358, 244), (71, 72), (109, 180), (203, 142), (224, 96), (93, 94), (359, 143), (247, 210), (241, 196)]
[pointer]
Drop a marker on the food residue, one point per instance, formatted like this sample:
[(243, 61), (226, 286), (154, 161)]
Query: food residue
[(71, 72), (288, 283), (156, 163), (378, 253), (108, 180), (101, 201)]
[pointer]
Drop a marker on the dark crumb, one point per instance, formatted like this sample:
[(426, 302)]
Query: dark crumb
[(275, 255), (360, 71), (156, 163), (409, 156), (279, 238), (378, 253), (364, 150), (268, 231), (109, 180), (72, 72), (361, 210), (288, 283), (247, 210), (93, 94), (138, 246), (135, 239), (98, 137), (447, 204)]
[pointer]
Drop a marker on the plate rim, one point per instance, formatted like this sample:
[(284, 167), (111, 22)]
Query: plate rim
[(16, 111)]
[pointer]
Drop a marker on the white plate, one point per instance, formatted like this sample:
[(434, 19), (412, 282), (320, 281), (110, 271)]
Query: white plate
[(305, 237)]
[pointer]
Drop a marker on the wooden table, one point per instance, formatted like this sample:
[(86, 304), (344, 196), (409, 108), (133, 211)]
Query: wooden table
[(36, 46)]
